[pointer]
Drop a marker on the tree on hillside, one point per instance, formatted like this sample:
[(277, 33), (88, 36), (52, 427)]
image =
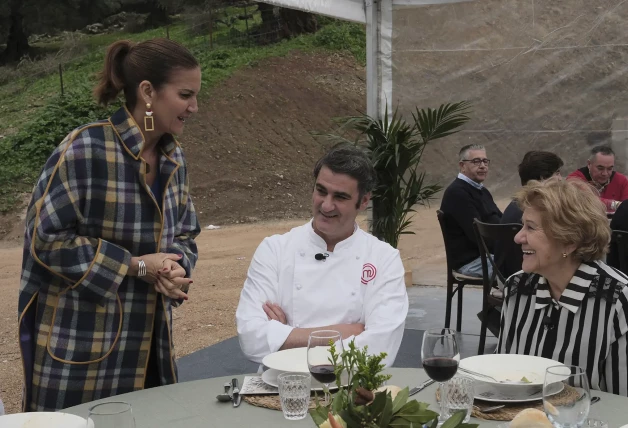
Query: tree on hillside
[(20, 18), (157, 10), (291, 22)]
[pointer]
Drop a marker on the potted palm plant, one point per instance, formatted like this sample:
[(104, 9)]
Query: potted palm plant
[(396, 148)]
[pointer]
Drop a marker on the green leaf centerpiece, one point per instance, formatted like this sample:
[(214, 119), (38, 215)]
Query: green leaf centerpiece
[(364, 403)]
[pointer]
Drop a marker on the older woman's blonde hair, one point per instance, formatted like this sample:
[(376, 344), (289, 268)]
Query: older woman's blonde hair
[(572, 214)]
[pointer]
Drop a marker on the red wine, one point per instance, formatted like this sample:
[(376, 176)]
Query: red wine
[(323, 373), (440, 369)]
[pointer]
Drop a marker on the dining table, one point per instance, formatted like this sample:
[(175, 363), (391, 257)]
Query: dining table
[(194, 405)]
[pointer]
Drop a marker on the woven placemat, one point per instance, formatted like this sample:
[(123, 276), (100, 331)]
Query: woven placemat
[(272, 401), (511, 410)]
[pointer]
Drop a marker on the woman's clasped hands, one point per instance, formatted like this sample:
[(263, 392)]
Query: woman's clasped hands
[(166, 274)]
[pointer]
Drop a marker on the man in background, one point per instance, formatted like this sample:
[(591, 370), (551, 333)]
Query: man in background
[(536, 165), (465, 199), (600, 172)]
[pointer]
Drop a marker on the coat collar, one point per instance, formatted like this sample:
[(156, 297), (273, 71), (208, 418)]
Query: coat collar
[(574, 294), (319, 242), (131, 134), (463, 177)]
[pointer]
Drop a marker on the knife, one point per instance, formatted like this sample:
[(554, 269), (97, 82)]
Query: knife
[(420, 387), (236, 392)]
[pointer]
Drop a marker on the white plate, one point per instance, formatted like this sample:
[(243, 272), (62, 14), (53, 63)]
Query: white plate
[(42, 420), (508, 367), (487, 392), (288, 360), (270, 377)]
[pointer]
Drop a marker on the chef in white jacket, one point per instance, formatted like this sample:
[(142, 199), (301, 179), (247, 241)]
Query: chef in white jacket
[(327, 274)]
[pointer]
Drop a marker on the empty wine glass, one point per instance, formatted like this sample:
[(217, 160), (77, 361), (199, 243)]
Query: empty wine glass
[(572, 411), (114, 414), (440, 357), (319, 359)]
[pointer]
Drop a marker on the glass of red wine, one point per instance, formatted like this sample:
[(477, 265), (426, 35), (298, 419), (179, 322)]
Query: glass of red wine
[(440, 356), (319, 359)]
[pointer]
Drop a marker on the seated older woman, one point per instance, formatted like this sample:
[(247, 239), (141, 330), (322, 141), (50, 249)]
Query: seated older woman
[(567, 304)]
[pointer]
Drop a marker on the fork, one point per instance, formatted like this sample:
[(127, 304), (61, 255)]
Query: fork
[(512, 382), (488, 409)]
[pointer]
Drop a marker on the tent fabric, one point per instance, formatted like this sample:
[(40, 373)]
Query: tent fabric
[(350, 10)]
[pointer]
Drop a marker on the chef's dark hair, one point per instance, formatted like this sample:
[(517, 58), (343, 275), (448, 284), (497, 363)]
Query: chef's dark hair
[(352, 161)]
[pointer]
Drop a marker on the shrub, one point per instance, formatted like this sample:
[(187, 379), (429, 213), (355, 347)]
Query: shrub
[(22, 155), (345, 36)]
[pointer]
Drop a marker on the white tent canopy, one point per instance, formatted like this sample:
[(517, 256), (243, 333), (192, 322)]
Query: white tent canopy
[(350, 10)]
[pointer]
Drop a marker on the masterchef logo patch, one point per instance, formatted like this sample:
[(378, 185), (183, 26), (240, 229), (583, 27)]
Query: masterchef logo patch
[(368, 273)]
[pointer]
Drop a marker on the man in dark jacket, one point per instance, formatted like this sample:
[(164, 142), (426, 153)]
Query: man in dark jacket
[(536, 165), (466, 198)]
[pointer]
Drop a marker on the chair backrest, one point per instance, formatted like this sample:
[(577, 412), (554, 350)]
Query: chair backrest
[(620, 238), (443, 227), (503, 233)]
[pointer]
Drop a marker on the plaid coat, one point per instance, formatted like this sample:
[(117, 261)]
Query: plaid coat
[(85, 326)]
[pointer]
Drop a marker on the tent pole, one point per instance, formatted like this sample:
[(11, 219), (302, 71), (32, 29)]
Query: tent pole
[(372, 75), (372, 48)]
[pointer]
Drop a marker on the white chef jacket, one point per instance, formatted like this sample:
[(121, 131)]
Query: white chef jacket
[(362, 281)]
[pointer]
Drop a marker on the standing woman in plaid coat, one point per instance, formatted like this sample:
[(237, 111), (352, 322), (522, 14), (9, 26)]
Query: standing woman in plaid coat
[(109, 242)]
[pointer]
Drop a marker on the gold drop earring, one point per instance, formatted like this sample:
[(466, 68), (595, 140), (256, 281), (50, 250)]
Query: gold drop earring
[(149, 124)]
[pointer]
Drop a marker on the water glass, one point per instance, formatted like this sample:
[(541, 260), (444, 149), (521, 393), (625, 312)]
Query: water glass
[(294, 393), (572, 412), (114, 414), (458, 395)]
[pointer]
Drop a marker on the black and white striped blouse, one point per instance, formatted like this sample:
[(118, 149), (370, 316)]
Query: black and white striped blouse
[(587, 327)]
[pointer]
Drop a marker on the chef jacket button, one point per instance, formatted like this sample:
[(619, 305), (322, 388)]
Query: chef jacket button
[(357, 257), (296, 325), (353, 293), (298, 286), (302, 254)]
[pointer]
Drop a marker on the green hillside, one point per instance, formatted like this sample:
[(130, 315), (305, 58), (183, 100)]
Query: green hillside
[(34, 117)]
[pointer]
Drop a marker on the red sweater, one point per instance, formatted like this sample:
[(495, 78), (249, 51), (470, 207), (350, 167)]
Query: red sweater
[(615, 190)]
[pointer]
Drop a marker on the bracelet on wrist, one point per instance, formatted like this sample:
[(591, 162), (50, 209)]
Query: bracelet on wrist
[(141, 268)]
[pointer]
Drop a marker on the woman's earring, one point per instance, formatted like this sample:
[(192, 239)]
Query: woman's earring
[(149, 124), (564, 255)]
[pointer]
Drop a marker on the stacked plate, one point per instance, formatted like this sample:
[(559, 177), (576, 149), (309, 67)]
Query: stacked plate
[(42, 420), (290, 360), (518, 378)]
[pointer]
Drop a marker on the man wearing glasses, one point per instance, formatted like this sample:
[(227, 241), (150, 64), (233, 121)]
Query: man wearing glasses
[(600, 172), (466, 198)]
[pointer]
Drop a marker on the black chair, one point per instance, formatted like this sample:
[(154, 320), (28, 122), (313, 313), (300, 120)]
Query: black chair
[(454, 278), (505, 234), (620, 240)]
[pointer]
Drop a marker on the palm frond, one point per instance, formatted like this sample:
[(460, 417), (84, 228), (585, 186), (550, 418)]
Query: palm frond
[(438, 123), (396, 148)]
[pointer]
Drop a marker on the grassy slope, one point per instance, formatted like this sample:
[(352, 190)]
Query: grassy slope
[(29, 108)]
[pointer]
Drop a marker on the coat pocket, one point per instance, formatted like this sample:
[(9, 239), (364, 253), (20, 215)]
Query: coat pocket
[(83, 332)]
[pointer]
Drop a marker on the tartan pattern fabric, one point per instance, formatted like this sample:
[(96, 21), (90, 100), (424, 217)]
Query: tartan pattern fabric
[(85, 327)]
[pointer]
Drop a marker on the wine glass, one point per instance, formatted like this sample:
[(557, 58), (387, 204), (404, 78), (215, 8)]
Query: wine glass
[(114, 414), (319, 359), (570, 412), (440, 357)]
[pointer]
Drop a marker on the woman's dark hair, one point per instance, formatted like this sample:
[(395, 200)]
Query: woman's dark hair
[(352, 161), (127, 64)]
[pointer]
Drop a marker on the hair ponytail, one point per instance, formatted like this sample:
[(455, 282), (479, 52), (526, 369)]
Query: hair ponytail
[(127, 64), (112, 79)]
